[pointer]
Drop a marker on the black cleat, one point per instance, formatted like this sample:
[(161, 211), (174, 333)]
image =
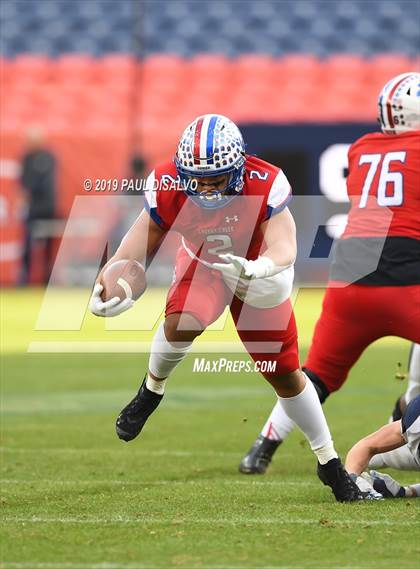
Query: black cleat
[(338, 479), (397, 412), (259, 456), (132, 418)]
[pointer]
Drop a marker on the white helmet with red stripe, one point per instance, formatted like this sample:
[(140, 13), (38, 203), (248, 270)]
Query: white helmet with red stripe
[(211, 145), (399, 104)]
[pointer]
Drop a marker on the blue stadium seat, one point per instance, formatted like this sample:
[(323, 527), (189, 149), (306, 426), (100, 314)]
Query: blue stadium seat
[(186, 27)]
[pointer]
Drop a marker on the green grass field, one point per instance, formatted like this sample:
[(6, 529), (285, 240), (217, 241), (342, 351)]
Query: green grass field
[(76, 497)]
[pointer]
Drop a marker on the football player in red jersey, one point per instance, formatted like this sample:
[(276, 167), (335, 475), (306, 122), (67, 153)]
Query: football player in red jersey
[(238, 249), (374, 286)]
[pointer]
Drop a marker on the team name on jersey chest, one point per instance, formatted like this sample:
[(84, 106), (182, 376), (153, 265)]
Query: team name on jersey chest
[(211, 230)]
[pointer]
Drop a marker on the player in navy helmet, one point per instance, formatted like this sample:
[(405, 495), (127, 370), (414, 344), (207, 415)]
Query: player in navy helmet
[(395, 445)]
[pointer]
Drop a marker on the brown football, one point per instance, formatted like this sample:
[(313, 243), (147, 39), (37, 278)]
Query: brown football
[(125, 279)]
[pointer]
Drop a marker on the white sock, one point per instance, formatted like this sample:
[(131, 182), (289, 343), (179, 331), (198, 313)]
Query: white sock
[(164, 357), (157, 386), (306, 411), (278, 425), (326, 452), (413, 388)]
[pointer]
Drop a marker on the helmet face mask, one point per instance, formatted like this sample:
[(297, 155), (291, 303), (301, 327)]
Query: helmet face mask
[(399, 104), (210, 147)]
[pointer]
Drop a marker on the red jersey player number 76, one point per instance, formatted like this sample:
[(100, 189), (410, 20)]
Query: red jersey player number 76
[(374, 285)]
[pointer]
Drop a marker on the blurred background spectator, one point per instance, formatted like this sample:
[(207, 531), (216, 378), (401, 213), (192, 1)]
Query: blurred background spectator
[(109, 79), (38, 180)]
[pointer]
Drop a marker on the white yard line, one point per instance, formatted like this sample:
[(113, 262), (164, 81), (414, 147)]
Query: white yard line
[(129, 347), (157, 482), (136, 452), (52, 565), (179, 453), (234, 521)]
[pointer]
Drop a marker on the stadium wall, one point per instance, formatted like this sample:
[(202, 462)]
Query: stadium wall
[(97, 114)]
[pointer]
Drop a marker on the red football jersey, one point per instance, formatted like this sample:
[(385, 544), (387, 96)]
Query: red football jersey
[(383, 186), (233, 228)]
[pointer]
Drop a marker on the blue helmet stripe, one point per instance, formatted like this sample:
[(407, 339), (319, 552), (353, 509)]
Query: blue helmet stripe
[(210, 138)]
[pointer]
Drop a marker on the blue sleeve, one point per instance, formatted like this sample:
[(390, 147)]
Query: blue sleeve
[(151, 200), (274, 210), (410, 414), (153, 212)]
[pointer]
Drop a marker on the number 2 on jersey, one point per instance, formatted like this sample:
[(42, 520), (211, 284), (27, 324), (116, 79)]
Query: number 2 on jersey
[(384, 198), (225, 245)]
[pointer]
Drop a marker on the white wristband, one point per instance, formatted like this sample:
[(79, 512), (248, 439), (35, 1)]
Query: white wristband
[(268, 268)]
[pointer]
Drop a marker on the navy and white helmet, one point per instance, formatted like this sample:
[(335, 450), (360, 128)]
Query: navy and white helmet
[(399, 104), (211, 145)]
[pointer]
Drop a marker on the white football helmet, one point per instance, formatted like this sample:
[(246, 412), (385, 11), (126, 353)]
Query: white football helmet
[(210, 146), (399, 104)]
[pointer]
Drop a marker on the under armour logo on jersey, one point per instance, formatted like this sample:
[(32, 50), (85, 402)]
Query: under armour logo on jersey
[(229, 219)]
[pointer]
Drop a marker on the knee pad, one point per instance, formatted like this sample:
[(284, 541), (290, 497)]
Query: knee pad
[(320, 387)]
